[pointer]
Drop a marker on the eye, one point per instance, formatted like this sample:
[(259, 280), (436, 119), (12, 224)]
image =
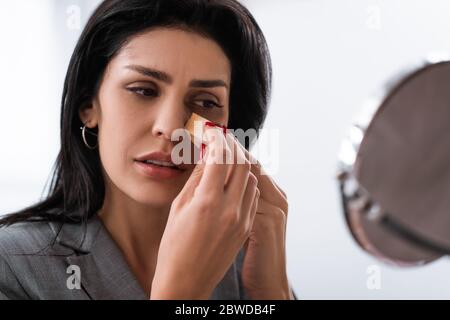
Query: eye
[(144, 92), (208, 104), (206, 101)]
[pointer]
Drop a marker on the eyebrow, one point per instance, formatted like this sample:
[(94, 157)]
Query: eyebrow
[(165, 77)]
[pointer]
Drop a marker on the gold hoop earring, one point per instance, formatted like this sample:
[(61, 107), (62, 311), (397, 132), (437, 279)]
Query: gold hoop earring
[(83, 134)]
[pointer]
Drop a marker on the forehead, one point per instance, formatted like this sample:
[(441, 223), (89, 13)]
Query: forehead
[(177, 52)]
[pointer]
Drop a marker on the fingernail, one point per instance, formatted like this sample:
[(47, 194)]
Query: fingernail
[(216, 125), (202, 152), (210, 124)]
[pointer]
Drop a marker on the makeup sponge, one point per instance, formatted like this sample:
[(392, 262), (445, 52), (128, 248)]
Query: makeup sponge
[(196, 122), (195, 126)]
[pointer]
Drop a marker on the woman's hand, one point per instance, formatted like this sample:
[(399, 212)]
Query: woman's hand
[(208, 224), (264, 274)]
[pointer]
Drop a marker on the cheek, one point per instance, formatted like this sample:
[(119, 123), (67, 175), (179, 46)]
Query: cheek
[(215, 115), (119, 110), (113, 146), (118, 133)]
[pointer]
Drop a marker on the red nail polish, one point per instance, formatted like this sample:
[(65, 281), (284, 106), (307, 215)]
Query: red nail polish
[(213, 125), (216, 125), (202, 153)]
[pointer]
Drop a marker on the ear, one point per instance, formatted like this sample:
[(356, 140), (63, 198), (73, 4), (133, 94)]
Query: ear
[(89, 114)]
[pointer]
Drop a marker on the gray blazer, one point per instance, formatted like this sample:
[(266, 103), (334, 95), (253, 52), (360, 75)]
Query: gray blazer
[(39, 260)]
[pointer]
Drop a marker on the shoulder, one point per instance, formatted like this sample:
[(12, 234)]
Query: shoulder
[(25, 238), (21, 245), (18, 239)]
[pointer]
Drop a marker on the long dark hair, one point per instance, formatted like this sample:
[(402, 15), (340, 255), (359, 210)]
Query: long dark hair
[(77, 190)]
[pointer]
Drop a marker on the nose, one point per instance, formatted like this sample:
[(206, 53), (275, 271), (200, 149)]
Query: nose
[(170, 115)]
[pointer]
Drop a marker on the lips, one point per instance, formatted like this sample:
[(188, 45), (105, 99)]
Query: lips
[(159, 159)]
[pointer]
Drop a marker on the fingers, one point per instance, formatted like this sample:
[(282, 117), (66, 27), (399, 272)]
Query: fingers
[(189, 188), (215, 169), (259, 171), (252, 215), (271, 191), (227, 167), (274, 213), (266, 183), (254, 208), (239, 175), (249, 193)]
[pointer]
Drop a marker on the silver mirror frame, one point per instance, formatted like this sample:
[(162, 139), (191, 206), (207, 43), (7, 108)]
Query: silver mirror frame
[(356, 200)]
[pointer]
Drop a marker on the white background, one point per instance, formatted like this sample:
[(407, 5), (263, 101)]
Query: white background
[(328, 56)]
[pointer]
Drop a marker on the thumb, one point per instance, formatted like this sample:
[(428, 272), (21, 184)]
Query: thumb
[(188, 190), (246, 245)]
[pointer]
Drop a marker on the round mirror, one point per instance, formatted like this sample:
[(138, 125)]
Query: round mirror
[(394, 169)]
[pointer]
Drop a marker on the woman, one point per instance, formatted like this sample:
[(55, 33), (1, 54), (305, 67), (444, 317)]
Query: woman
[(112, 229)]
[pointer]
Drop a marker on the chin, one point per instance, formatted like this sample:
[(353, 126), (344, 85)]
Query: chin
[(161, 197)]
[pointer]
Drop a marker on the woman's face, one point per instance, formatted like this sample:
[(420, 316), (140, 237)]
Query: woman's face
[(149, 89)]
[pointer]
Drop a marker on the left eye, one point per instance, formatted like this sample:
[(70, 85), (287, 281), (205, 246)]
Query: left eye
[(146, 92), (208, 104)]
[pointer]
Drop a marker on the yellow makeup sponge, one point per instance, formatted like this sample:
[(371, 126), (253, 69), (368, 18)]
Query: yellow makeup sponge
[(194, 122)]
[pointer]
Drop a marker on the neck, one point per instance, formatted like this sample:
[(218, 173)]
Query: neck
[(137, 229)]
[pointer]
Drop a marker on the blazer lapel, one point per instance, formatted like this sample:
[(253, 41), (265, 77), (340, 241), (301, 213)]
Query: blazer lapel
[(105, 275)]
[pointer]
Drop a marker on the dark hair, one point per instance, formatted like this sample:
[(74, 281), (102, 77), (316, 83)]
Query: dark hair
[(76, 190)]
